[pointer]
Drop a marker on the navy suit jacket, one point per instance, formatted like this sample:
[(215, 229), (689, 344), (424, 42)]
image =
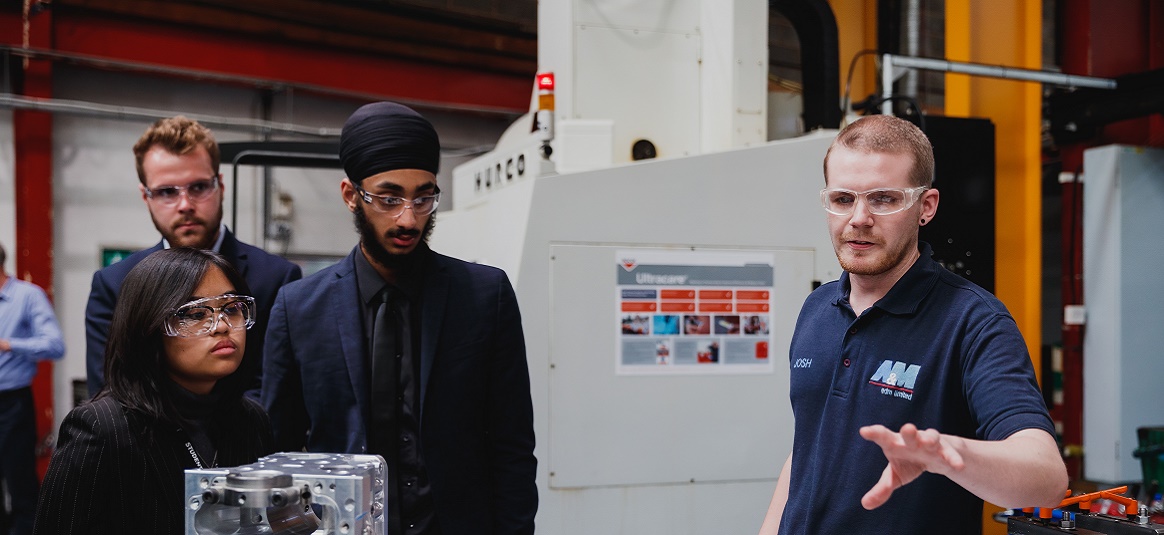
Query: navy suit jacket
[(476, 416), (263, 271)]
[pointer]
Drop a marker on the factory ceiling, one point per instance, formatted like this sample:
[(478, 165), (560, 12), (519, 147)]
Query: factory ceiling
[(487, 35)]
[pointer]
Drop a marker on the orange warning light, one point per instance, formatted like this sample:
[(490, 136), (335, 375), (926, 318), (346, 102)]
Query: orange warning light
[(545, 83)]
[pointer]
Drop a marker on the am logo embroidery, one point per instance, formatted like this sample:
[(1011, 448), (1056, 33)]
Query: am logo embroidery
[(896, 379)]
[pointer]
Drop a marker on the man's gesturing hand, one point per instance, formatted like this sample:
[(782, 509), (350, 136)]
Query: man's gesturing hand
[(909, 452)]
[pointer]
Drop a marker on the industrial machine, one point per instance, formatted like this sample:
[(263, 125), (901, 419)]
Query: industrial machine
[(289, 493), (660, 247)]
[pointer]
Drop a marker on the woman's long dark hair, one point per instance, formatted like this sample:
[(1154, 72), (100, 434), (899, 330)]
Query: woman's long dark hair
[(135, 360)]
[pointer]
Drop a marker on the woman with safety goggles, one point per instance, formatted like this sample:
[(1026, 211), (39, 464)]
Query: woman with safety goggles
[(179, 327)]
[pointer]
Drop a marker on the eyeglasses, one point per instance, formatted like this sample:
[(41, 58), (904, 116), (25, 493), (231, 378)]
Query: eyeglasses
[(394, 206), (881, 201), (201, 316), (197, 191)]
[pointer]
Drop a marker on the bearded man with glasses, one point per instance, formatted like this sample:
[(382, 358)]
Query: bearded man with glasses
[(406, 353), (177, 162), (914, 396)]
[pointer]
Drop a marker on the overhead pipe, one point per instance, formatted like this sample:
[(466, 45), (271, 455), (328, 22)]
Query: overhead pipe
[(911, 86), (92, 109), (891, 63)]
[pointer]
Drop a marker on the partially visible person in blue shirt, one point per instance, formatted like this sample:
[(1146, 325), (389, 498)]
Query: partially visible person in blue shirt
[(28, 333)]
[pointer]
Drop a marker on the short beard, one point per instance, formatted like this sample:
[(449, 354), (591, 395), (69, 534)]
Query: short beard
[(886, 263), (371, 243), (213, 226)]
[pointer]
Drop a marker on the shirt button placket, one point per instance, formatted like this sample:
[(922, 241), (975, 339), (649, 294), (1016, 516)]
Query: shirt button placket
[(843, 380)]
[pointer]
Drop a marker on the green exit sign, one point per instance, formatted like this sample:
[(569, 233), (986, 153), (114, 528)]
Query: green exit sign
[(113, 256)]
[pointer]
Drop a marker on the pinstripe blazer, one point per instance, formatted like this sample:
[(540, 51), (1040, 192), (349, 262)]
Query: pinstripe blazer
[(108, 477)]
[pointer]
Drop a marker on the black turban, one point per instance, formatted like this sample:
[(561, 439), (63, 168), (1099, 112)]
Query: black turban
[(385, 136)]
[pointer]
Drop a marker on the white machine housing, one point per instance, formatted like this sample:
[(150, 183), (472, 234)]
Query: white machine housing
[(640, 453)]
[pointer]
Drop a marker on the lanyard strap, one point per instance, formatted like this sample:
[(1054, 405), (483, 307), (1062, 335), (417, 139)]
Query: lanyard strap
[(194, 454)]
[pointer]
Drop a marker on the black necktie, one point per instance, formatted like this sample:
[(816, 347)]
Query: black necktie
[(386, 349), (382, 431)]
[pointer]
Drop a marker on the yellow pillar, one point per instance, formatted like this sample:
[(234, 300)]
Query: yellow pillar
[(1009, 32), (1006, 32), (857, 31), (958, 49)]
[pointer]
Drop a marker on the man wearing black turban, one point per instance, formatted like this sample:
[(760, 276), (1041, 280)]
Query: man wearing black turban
[(407, 353)]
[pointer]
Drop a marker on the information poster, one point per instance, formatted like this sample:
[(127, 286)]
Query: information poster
[(702, 312)]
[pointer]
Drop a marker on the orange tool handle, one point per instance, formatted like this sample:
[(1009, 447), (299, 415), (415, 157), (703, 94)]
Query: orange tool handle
[(1131, 506)]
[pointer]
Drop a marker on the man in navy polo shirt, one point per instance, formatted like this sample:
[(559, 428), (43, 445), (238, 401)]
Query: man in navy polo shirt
[(905, 362)]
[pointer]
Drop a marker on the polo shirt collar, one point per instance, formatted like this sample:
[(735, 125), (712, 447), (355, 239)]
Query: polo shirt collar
[(906, 295)]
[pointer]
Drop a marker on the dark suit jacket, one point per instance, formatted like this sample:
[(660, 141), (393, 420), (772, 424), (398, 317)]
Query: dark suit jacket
[(476, 417), (107, 477), (263, 271)]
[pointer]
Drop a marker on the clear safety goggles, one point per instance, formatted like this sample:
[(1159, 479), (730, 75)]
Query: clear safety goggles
[(201, 316), (395, 206), (881, 201)]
